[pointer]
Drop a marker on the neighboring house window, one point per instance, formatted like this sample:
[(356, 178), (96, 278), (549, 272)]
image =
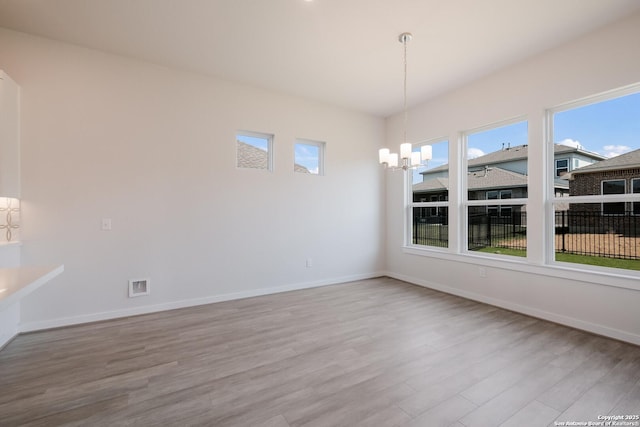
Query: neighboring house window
[(434, 211), (309, 157), (562, 167), (502, 211), (254, 150), (492, 210), (615, 186), (497, 158), (635, 189), (428, 192)]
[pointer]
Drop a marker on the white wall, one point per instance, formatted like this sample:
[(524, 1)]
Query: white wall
[(154, 150), (605, 304)]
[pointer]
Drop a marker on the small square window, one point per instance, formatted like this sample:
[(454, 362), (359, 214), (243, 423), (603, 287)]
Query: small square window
[(309, 157), (254, 150)]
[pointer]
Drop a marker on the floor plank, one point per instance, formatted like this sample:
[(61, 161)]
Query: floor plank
[(376, 352)]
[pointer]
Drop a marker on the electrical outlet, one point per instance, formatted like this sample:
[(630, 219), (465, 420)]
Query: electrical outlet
[(482, 271), (309, 263)]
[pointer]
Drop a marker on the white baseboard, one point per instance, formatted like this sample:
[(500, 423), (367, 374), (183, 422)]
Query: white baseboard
[(135, 311), (530, 311), (9, 319)]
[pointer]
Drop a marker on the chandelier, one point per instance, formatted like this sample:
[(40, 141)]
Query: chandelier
[(408, 158)]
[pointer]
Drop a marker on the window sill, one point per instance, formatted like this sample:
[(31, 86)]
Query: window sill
[(582, 273)]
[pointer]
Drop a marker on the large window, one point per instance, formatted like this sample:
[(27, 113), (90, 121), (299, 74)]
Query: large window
[(598, 223), (496, 189), (429, 203), (585, 187)]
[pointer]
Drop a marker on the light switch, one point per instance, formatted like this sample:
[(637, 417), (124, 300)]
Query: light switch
[(106, 224)]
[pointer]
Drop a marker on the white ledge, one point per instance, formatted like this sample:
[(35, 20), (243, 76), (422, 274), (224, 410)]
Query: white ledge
[(18, 282)]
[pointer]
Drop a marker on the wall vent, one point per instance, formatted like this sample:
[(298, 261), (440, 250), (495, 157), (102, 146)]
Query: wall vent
[(139, 287)]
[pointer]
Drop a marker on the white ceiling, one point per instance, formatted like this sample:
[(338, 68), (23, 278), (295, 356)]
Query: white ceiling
[(344, 52)]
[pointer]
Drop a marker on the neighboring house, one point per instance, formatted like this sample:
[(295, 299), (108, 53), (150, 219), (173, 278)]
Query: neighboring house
[(253, 157), (617, 175), (501, 174)]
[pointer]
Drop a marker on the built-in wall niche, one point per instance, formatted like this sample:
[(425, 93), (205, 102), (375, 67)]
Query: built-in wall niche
[(9, 137)]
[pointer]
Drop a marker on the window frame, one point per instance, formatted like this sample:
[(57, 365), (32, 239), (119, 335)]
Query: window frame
[(552, 201), (270, 148), (493, 203), (410, 205), (321, 145)]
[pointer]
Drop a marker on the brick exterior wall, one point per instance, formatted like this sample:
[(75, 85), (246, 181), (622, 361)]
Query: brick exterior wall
[(592, 219)]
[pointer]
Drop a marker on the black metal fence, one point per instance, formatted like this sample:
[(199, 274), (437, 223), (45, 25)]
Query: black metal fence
[(431, 230), (595, 234), (576, 232), (486, 230)]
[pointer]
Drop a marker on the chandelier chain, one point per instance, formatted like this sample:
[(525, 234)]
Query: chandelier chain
[(404, 105)]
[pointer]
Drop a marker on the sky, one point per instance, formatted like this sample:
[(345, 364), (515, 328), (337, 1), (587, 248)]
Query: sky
[(609, 128)]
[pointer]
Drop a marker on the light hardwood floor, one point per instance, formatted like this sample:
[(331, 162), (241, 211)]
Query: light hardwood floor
[(377, 352)]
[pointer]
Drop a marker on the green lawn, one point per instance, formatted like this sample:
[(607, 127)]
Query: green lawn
[(626, 264)]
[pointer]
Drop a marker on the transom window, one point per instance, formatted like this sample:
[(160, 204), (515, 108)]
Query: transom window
[(309, 157), (254, 150)]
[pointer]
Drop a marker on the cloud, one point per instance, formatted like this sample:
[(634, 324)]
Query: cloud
[(472, 153), (571, 143), (615, 150)]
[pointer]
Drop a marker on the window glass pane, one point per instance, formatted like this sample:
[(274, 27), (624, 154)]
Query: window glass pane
[(253, 150), (308, 157), (430, 183), (501, 230), (497, 162), (584, 236)]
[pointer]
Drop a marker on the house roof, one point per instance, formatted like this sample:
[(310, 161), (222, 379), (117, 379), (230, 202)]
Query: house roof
[(486, 179), (431, 185), (623, 161), (250, 156), (480, 180), (510, 154)]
